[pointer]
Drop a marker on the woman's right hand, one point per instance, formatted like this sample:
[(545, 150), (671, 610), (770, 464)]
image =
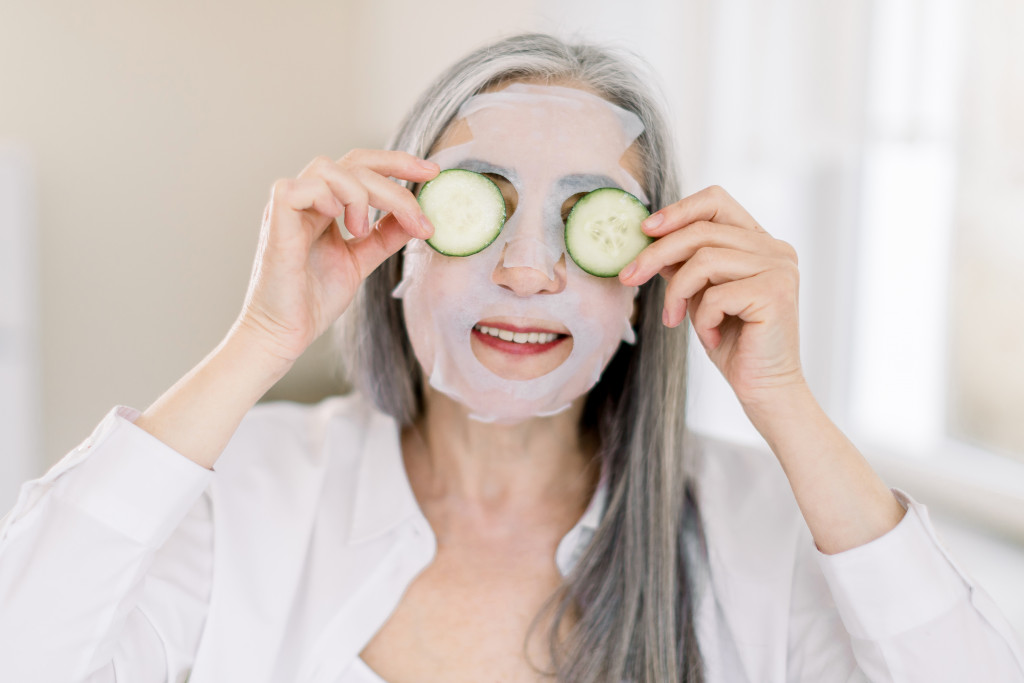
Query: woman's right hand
[(306, 273)]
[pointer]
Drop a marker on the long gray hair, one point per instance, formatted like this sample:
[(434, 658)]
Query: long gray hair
[(631, 590)]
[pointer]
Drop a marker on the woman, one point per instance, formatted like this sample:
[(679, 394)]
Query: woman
[(464, 516)]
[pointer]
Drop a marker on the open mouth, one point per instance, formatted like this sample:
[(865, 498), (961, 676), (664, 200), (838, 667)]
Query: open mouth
[(518, 340)]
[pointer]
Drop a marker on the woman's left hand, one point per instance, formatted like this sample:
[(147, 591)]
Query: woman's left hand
[(739, 285)]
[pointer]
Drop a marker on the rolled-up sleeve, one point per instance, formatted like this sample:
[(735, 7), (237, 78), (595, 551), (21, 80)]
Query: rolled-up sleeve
[(913, 614), (93, 551)]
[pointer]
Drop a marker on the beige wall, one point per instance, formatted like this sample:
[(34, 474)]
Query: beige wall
[(157, 130)]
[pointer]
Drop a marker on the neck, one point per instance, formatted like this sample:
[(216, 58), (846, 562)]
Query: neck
[(452, 459)]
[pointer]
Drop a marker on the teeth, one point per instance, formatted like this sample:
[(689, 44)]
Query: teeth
[(518, 337)]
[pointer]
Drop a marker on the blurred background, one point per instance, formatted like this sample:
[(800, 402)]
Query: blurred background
[(139, 142)]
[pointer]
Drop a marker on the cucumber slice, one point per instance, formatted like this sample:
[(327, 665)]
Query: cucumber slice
[(466, 209), (602, 232)]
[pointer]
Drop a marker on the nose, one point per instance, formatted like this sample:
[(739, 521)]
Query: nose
[(527, 281)]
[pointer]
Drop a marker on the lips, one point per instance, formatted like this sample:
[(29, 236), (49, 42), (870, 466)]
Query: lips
[(518, 339)]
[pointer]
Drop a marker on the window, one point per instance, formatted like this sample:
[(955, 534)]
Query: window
[(937, 373), (986, 324), (883, 141)]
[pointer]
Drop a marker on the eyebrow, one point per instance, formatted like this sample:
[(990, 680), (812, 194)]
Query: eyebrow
[(481, 166), (591, 178), (597, 180)]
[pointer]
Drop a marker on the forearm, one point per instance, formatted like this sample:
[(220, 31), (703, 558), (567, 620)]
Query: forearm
[(198, 415), (845, 503)]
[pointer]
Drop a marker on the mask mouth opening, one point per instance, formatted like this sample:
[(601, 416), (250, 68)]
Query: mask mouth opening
[(532, 337), (520, 352), (523, 325)]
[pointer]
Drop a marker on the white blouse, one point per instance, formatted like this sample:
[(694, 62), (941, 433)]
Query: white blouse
[(128, 562)]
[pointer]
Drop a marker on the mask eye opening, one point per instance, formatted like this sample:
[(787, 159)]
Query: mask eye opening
[(569, 203), (508, 192)]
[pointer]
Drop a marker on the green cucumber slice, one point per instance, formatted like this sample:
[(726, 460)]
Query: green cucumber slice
[(602, 232), (466, 209)]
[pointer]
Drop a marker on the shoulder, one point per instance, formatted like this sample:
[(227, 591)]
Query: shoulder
[(290, 433), (719, 462), (747, 506), (273, 473)]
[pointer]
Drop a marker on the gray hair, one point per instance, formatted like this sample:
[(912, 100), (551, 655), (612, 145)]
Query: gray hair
[(632, 588)]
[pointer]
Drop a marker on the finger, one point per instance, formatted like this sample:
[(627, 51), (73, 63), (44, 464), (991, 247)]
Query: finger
[(394, 163), (744, 299), (710, 204), (304, 194), (312, 197), (668, 271), (681, 245), (346, 188), (387, 237), (711, 266), (400, 202), (359, 188)]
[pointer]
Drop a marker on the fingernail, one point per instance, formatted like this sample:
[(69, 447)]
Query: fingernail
[(628, 271), (653, 221), (665, 318), (429, 165), (428, 229)]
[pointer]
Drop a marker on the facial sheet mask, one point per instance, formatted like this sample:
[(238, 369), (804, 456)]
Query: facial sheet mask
[(550, 142)]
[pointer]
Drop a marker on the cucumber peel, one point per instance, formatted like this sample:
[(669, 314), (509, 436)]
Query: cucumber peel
[(602, 231), (466, 209)]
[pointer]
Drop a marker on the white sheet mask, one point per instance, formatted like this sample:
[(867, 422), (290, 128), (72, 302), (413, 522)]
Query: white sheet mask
[(550, 142)]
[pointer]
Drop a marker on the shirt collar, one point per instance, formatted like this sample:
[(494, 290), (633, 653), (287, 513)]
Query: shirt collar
[(384, 498), (594, 513), (572, 545)]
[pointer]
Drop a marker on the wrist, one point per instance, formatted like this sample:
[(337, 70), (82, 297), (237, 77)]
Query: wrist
[(843, 500), (250, 337), (245, 347), (784, 412), (197, 416)]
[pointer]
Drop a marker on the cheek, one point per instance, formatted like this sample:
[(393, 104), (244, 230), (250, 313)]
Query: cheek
[(441, 282), (608, 300), (421, 335), (425, 286)]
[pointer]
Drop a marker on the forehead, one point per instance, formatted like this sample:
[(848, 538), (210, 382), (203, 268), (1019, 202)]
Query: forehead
[(544, 132)]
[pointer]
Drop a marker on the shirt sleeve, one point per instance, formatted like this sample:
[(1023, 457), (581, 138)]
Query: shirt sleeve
[(898, 608), (106, 562)]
